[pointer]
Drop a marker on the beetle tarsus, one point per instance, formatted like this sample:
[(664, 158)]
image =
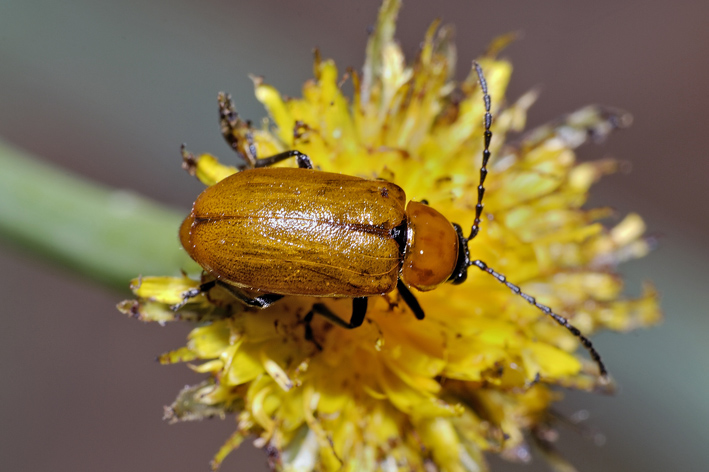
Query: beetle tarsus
[(410, 300), (230, 124), (228, 120), (558, 318), (187, 295)]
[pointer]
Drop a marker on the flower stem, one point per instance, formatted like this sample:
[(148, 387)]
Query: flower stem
[(105, 234)]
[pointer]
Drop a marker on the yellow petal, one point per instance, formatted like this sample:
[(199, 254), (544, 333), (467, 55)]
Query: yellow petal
[(207, 168), (276, 372), (168, 290), (183, 354), (550, 361), (231, 444), (242, 363), (276, 107), (211, 340)]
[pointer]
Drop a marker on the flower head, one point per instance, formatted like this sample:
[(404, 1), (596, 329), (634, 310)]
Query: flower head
[(480, 371)]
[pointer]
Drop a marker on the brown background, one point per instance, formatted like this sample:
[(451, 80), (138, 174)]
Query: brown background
[(110, 89)]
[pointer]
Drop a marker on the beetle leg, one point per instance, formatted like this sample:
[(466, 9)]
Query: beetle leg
[(227, 120), (203, 288), (302, 159), (359, 310), (410, 299), (259, 302), (262, 301), (309, 329), (229, 123)]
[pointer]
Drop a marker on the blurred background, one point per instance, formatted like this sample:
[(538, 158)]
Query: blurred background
[(109, 90)]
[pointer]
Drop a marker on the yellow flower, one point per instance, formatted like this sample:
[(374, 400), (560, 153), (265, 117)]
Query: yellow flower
[(481, 369)]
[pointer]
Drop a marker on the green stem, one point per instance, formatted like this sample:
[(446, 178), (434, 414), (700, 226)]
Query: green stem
[(105, 234)]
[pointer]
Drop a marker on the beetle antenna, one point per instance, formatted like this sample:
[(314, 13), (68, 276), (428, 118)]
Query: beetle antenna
[(486, 152), (558, 318)]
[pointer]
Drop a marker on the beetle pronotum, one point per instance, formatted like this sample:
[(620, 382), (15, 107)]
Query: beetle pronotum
[(287, 231)]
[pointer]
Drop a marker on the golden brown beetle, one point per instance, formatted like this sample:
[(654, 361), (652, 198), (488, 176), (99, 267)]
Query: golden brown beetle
[(286, 231)]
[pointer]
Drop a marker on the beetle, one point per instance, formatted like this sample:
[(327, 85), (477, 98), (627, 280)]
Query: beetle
[(303, 232)]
